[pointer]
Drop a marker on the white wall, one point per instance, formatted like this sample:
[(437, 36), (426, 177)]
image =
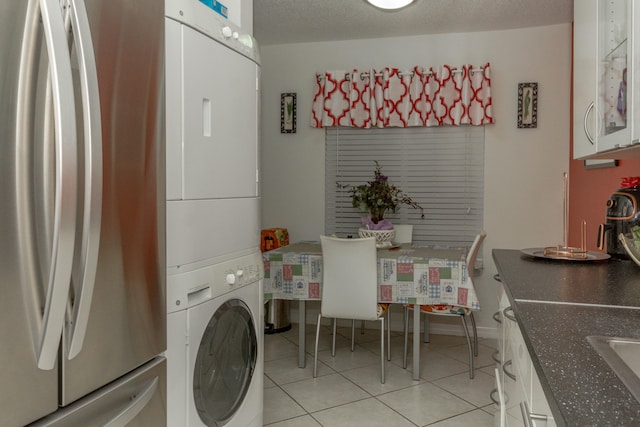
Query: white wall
[(523, 167), (240, 13)]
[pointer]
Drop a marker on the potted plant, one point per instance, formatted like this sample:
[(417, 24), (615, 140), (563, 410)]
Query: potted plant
[(377, 197)]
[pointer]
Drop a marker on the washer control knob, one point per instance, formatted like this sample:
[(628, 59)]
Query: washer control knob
[(239, 273), (231, 279), (236, 35), (227, 32)]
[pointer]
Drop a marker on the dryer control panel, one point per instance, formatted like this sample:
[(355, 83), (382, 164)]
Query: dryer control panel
[(185, 290), (201, 18)]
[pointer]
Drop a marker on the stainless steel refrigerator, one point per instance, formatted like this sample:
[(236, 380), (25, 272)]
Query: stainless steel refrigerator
[(82, 223)]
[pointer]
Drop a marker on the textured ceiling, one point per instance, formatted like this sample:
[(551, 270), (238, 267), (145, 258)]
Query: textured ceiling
[(303, 21)]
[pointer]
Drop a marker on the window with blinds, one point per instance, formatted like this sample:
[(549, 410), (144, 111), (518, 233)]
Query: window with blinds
[(441, 168)]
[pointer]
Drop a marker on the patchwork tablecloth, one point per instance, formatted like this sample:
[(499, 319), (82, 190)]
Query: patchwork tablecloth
[(415, 275)]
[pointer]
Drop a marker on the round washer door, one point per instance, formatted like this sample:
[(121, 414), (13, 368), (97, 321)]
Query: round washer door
[(225, 363)]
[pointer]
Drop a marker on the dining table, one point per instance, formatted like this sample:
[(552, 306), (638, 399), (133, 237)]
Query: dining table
[(406, 275)]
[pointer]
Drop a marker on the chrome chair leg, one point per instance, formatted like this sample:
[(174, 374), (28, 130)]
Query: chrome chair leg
[(382, 361), (333, 338), (426, 338), (475, 335), (388, 322), (353, 335), (466, 332), (315, 351), (406, 337)]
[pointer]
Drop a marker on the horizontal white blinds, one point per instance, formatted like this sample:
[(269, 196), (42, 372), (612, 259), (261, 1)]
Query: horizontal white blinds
[(441, 168)]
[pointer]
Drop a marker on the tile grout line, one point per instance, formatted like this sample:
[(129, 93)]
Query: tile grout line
[(441, 349)]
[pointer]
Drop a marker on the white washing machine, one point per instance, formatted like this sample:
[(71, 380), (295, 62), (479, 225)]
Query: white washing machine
[(215, 345)]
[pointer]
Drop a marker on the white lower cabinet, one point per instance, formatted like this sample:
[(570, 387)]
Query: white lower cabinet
[(522, 401), (539, 404), (497, 394)]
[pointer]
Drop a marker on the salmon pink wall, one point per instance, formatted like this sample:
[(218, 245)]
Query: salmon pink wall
[(589, 190)]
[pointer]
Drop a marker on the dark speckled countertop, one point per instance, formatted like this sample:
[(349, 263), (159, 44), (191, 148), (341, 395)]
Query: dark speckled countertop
[(558, 304)]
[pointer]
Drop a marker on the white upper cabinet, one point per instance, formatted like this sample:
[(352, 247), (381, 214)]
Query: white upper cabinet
[(613, 129), (604, 100), (584, 77)]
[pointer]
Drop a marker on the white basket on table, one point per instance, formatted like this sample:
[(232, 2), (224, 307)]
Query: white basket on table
[(384, 238)]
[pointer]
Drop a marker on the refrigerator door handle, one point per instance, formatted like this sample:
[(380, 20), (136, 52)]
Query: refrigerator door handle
[(137, 404), (90, 241), (66, 175)]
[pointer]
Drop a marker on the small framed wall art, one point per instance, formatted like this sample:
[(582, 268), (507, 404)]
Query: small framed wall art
[(527, 105), (288, 108)]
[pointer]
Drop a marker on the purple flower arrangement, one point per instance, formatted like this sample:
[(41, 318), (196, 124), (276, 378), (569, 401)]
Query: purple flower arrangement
[(377, 197)]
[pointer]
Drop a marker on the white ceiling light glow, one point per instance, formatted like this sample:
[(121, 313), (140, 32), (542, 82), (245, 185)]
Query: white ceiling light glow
[(390, 4)]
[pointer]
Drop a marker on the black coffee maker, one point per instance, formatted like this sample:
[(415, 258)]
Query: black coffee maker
[(622, 215)]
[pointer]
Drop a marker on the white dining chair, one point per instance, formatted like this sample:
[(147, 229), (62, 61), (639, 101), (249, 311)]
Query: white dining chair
[(350, 289), (451, 309), (404, 233)]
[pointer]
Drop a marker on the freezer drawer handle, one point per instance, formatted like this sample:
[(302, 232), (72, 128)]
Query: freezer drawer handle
[(66, 182), (135, 407)]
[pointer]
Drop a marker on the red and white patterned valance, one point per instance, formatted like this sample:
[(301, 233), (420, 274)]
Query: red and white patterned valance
[(392, 98)]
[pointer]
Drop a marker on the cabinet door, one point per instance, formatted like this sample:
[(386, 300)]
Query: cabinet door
[(533, 396), (513, 381), (614, 47), (516, 379), (585, 80), (498, 395), (633, 100), (539, 404), (498, 316)]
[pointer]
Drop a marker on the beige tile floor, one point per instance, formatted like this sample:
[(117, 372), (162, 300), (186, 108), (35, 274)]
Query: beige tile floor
[(348, 392)]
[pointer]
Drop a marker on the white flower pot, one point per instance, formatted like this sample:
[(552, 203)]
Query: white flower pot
[(383, 237)]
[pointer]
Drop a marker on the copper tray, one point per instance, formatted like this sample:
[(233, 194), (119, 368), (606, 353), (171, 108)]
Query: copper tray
[(590, 255)]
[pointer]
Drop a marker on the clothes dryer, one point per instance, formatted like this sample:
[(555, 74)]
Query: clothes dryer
[(212, 146), (215, 345)]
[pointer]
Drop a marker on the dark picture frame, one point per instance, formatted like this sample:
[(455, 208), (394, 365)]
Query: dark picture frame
[(288, 107), (528, 105)]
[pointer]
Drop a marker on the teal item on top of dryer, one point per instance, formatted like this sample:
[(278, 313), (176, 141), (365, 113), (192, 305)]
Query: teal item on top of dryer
[(217, 7)]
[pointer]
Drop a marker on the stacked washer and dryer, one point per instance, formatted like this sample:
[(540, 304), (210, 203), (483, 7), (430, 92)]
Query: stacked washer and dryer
[(214, 286)]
